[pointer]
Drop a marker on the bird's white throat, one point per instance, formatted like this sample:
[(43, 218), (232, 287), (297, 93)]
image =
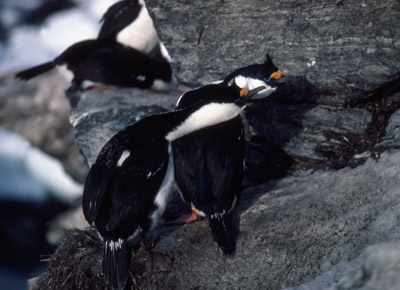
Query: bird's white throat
[(208, 115)]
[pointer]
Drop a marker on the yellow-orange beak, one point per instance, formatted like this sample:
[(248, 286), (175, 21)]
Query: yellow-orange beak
[(276, 75), (244, 92)]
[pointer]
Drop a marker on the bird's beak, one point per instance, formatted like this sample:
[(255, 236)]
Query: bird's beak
[(276, 75), (246, 94), (282, 79), (253, 92)]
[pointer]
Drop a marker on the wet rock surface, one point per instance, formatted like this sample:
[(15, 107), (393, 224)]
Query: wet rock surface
[(322, 158)]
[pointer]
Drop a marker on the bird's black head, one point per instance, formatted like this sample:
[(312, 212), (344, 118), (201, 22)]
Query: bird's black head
[(255, 75), (269, 72)]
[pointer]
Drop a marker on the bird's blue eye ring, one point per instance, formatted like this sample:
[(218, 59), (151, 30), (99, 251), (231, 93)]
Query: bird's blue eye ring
[(267, 80), (237, 100)]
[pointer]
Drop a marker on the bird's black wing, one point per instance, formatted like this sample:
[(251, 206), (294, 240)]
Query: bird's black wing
[(209, 162), (117, 17), (108, 63), (188, 161), (75, 53), (131, 67), (134, 189), (117, 190), (97, 181), (225, 157), (195, 96)]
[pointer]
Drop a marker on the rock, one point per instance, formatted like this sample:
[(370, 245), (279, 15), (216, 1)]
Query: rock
[(316, 133), (376, 268), (392, 131), (38, 110), (291, 230), (338, 54), (97, 115), (344, 49), (379, 269)]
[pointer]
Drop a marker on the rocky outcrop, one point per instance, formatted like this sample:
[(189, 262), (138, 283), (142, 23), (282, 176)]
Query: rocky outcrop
[(291, 230), (344, 49), (338, 53), (322, 158)]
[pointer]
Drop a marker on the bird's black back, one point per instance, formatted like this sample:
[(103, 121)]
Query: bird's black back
[(117, 197), (112, 63), (197, 95)]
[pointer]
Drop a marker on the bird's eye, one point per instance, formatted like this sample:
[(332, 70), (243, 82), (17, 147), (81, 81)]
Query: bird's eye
[(267, 80), (236, 100)]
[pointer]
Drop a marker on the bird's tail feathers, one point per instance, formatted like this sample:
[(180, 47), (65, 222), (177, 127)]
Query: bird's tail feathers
[(222, 231), (116, 257), (36, 70)]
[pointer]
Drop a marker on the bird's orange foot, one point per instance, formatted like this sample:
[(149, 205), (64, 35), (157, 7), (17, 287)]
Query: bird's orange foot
[(185, 219), (100, 88)]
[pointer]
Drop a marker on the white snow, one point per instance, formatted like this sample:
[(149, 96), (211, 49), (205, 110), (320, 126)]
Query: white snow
[(27, 173)]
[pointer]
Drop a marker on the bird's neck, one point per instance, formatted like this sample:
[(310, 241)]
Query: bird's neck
[(193, 119)]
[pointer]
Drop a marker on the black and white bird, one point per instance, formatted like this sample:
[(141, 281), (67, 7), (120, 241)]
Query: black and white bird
[(251, 76), (129, 23), (118, 17), (128, 186), (106, 61), (209, 163)]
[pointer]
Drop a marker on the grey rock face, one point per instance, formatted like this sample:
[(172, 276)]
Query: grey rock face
[(340, 54), (97, 116), (343, 48), (379, 270), (291, 230)]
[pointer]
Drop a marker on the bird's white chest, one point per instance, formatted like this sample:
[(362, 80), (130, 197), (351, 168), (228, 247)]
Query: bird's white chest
[(133, 35), (208, 115)]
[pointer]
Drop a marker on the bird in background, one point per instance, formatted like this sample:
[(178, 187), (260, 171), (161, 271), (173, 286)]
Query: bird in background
[(129, 23), (105, 60), (209, 163), (129, 184)]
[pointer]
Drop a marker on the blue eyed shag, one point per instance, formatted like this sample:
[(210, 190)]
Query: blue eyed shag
[(128, 22), (209, 163), (106, 61), (128, 186)]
